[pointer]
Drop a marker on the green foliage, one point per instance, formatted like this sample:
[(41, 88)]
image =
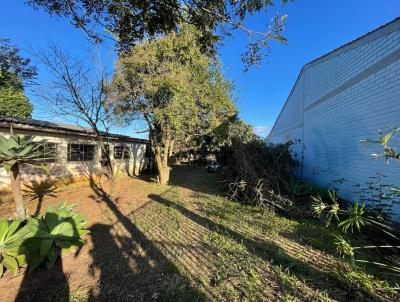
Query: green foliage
[(344, 248), (17, 149), (130, 22), (12, 251), (323, 210), (58, 232), (302, 189), (221, 138), (353, 218), (13, 102), (384, 140), (15, 71), (173, 86), (179, 91)]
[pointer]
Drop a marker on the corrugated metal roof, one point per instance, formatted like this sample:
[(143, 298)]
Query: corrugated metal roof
[(64, 127)]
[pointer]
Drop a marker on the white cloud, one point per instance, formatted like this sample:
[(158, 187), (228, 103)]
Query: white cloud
[(262, 131)]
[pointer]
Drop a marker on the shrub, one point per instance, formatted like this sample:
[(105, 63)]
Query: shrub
[(12, 251), (56, 233), (305, 190), (42, 240)]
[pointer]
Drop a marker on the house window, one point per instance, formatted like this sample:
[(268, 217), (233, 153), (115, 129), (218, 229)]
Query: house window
[(121, 152), (78, 152), (46, 153)]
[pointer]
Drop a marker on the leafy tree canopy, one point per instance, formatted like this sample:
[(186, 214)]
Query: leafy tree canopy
[(178, 90), (131, 21), (175, 87), (13, 102), (14, 70), (225, 135)]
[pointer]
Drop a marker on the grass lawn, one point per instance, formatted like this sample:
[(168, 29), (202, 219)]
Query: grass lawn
[(186, 242)]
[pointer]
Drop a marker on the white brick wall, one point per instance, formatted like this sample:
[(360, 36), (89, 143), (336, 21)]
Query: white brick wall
[(344, 98)]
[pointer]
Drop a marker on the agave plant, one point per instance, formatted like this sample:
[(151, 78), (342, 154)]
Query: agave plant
[(13, 151), (58, 232), (12, 251)]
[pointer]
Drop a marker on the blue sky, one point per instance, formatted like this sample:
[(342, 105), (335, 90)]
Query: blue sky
[(314, 28)]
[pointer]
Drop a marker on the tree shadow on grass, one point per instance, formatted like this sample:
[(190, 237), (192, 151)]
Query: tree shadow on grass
[(194, 178), (130, 266), (268, 251)]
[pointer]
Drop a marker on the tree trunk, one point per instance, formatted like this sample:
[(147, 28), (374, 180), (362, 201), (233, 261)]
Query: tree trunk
[(16, 189), (162, 165), (171, 148), (163, 175)]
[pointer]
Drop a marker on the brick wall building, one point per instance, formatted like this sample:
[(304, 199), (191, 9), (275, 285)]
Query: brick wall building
[(339, 100)]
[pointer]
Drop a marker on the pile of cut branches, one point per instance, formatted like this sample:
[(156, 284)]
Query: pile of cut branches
[(258, 173)]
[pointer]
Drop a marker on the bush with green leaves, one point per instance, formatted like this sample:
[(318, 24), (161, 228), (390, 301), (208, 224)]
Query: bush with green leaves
[(305, 190), (58, 232), (12, 251), (41, 240)]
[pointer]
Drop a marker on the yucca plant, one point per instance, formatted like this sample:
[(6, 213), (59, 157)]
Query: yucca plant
[(384, 140), (352, 219), (15, 150), (12, 251), (323, 210), (57, 232)]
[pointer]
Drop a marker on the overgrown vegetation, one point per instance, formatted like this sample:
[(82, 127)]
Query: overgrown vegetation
[(258, 173), (186, 242), (263, 175)]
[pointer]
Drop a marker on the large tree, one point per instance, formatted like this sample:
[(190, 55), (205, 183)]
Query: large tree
[(15, 73), (178, 90), (128, 22)]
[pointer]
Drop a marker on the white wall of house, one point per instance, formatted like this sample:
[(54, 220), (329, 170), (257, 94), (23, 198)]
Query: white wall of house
[(66, 170), (339, 100)]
